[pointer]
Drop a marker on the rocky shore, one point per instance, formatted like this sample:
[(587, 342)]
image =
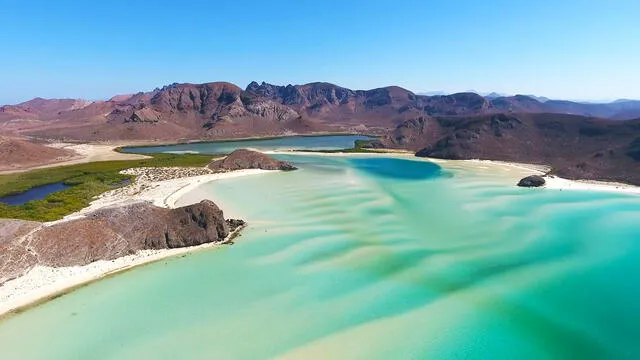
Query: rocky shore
[(125, 227)]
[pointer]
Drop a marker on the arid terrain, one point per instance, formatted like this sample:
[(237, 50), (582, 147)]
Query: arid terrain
[(593, 141)]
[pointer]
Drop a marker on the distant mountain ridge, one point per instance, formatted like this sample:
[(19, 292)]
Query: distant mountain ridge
[(579, 140), (224, 110)]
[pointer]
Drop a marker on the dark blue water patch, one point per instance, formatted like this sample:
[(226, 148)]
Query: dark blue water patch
[(35, 193), (400, 169), (329, 142)]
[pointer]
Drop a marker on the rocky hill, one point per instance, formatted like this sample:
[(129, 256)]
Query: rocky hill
[(576, 147), (19, 153), (107, 234), (574, 137), (224, 110), (247, 159)]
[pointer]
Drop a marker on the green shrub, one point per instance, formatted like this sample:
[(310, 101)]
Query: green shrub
[(87, 180)]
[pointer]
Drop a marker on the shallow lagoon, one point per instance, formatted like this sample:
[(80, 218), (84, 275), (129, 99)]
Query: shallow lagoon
[(371, 257), (330, 142)]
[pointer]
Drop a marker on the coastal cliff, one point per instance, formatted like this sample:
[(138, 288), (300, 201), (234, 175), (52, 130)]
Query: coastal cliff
[(107, 234)]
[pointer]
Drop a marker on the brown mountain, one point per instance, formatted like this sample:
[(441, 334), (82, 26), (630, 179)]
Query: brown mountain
[(107, 234), (224, 110), (19, 153), (618, 110), (463, 125), (575, 146)]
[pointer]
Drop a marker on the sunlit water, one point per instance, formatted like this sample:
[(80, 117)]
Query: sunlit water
[(375, 257)]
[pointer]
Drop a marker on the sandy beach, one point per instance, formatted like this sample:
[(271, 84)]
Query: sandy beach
[(557, 183), (161, 186), (164, 186), (519, 170)]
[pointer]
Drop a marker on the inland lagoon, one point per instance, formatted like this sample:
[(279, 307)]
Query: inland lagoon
[(327, 142), (370, 257)]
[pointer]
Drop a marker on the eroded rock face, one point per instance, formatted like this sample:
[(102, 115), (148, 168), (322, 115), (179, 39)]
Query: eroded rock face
[(247, 159), (114, 232), (107, 234), (532, 181)]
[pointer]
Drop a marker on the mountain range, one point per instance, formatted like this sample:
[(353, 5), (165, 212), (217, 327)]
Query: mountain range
[(599, 141)]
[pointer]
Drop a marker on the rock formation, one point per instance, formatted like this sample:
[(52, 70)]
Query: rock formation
[(108, 234), (247, 159), (532, 181), (577, 140)]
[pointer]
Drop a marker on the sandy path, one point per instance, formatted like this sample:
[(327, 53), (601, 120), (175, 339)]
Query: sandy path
[(84, 153)]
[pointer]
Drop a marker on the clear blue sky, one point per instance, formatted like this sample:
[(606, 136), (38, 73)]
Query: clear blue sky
[(577, 49)]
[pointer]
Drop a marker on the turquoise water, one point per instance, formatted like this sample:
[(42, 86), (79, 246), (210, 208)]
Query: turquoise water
[(336, 142), (357, 257)]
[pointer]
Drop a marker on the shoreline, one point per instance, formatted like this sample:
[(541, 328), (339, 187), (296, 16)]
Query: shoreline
[(43, 283), (552, 182)]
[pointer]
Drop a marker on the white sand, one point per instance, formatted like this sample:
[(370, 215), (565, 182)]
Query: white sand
[(42, 282), (161, 193), (552, 182), (557, 183)]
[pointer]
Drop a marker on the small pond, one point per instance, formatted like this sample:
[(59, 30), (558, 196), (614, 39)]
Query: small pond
[(35, 193)]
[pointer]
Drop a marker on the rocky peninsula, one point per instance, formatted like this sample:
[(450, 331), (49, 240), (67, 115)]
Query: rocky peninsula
[(124, 227)]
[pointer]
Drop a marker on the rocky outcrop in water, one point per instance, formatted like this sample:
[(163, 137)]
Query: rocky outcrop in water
[(108, 234), (247, 159), (532, 181)]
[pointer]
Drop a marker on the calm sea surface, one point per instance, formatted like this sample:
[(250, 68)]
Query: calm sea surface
[(35, 193), (336, 142), (370, 257)]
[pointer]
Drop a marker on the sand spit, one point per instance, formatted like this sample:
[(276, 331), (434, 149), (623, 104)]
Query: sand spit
[(161, 186)]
